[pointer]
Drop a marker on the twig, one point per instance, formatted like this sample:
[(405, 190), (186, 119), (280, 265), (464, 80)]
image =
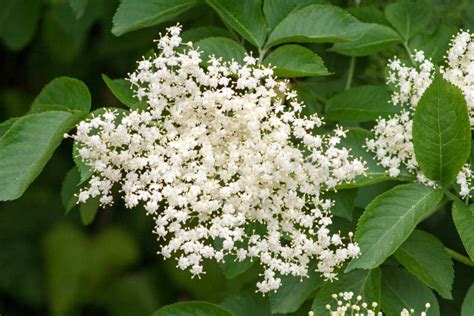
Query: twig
[(459, 257)]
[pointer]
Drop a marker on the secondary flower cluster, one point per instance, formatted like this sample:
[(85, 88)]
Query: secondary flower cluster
[(410, 82), (347, 305), (460, 69), (225, 163), (393, 143)]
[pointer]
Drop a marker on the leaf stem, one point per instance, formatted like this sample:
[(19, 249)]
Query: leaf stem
[(407, 49), (261, 54), (438, 207), (350, 75), (459, 257), (453, 197)]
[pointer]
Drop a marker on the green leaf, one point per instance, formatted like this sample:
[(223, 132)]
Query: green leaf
[(376, 39), (463, 217), (5, 125), (369, 14), (471, 155), (366, 194), (64, 34), (79, 6), (18, 21), (192, 308), (424, 256), (201, 32), (441, 132), (360, 104), (232, 267), (26, 148), (302, 63), (402, 290), (243, 16), (277, 10), (122, 90), (343, 202), (69, 188), (468, 18), (361, 282), (294, 291), (247, 303), (467, 308), (211, 286), (84, 170), (389, 220), (137, 14), (435, 45), (88, 210), (311, 98), (63, 93), (221, 47), (355, 141), (319, 24), (408, 17)]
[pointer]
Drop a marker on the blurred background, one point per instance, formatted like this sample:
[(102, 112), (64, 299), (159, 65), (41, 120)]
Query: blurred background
[(53, 264)]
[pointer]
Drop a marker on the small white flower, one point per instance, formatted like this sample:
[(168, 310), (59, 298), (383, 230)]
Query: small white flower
[(346, 306), (460, 67)]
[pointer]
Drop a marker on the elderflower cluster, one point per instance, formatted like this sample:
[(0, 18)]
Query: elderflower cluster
[(410, 82), (393, 143), (346, 305), (225, 163), (460, 67)]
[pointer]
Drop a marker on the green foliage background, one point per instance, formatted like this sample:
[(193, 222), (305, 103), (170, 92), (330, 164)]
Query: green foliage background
[(51, 263)]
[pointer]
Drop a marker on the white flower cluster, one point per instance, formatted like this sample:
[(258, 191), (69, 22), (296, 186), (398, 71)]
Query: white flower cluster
[(225, 163), (410, 82), (348, 306), (393, 143), (460, 69)]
